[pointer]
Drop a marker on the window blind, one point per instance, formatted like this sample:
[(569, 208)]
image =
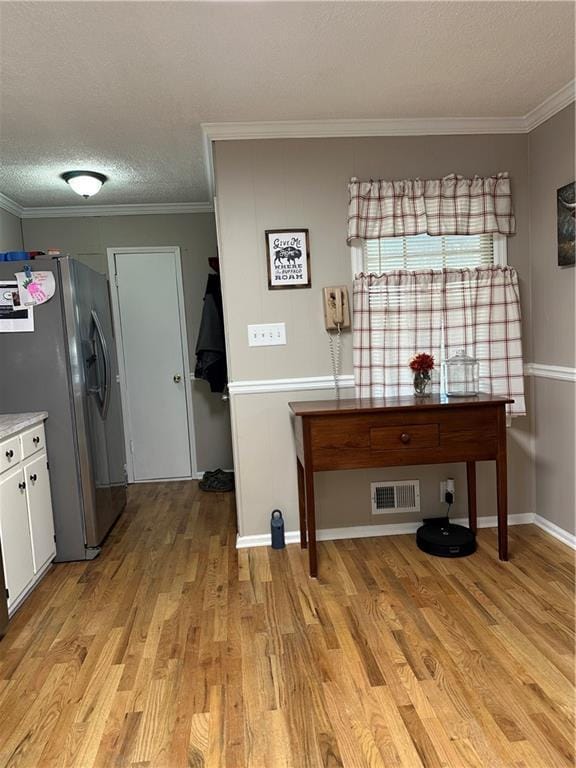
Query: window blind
[(416, 252)]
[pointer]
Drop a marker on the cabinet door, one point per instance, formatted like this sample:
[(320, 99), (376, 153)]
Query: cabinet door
[(40, 511), (15, 534)]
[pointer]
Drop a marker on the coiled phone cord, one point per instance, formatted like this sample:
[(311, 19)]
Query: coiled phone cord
[(334, 340)]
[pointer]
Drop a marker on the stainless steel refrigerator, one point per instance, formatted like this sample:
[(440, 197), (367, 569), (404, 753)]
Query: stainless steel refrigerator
[(68, 367)]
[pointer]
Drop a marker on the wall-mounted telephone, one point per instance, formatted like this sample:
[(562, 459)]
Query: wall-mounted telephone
[(336, 317), (336, 308)]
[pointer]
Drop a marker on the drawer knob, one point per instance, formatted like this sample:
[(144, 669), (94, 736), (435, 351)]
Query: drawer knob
[(22, 486), (36, 440), (405, 438), (9, 454), (34, 477)]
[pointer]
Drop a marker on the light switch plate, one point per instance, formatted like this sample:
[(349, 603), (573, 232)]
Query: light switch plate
[(266, 334)]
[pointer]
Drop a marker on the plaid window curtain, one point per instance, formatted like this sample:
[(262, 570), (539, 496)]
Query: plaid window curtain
[(401, 313), (449, 206)]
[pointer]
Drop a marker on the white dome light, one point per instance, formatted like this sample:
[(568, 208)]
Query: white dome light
[(84, 183)]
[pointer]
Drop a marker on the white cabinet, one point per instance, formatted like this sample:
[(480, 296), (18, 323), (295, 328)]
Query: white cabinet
[(26, 520), (11, 453), (40, 516), (15, 534)]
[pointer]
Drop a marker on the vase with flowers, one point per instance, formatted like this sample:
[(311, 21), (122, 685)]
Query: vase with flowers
[(422, 366)]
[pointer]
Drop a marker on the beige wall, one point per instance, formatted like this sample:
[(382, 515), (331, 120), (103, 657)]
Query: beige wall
[(88, 238), (303, 183), (10, 232), (553, 321)]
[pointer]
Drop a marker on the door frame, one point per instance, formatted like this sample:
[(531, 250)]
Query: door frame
[(115, 301)]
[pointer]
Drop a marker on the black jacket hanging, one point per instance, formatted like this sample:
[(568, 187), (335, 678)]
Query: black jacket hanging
[(210, 347)]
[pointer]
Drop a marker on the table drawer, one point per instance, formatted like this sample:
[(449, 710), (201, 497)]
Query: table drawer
[(32, 440), (405, 437), (10, 453)]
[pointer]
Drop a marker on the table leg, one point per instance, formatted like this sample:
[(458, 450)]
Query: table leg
[(471, 485), (502, 491), (301, 503), (311, 521)]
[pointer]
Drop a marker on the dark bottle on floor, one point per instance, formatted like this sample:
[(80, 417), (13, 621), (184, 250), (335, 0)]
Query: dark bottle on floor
[(277, 529)]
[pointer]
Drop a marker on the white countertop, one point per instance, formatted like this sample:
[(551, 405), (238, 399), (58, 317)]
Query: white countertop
[(10, 423)]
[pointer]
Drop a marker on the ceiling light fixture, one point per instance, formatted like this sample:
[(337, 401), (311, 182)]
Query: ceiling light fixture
[(84, 183)]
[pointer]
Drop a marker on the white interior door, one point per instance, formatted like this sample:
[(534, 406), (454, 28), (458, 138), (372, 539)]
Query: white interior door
[(155, 363)]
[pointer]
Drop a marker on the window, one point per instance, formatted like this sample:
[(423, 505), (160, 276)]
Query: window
[(415, 311), (427, 252)]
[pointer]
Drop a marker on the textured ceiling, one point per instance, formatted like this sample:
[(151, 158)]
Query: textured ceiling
[(122, 87)]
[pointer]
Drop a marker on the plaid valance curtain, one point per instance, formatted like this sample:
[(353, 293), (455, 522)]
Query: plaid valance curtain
[(449, 206), (401, 313)]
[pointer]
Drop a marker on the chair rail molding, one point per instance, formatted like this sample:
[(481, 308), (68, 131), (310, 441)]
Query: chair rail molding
[(545, 371), (346, 381), (288, 385)]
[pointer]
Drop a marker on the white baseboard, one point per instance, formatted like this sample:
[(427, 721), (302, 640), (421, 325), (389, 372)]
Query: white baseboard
[(367, 531), (554, 530), (265, 539), (199, 475)]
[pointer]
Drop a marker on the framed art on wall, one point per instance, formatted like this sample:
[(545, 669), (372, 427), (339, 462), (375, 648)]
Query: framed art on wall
[(288, 258), (566, 211)]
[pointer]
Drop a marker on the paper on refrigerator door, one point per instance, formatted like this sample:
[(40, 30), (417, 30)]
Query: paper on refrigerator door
[(14, 318), (35, 287)]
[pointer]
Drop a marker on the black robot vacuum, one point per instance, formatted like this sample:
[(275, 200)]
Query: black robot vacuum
[(439, 537)]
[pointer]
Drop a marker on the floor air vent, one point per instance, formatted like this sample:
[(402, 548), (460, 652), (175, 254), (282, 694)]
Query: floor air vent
[(395, 496)]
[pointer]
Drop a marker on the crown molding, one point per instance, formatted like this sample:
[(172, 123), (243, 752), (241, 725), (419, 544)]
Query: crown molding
[(10, 205), (424, 126), (312, 129), (208, 162), (142, 209), (550, 106), (338, 129), (419, 126), (309, 129)]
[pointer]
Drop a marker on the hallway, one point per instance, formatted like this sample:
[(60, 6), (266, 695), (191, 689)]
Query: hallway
[(174, 649)]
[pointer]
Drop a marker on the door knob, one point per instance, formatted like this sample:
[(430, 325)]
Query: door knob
[(177, 378)]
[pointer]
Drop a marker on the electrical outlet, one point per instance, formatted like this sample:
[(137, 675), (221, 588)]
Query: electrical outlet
[(447, 486), (266, 334)]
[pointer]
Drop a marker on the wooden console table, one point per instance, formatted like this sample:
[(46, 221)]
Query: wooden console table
[(361, 434)]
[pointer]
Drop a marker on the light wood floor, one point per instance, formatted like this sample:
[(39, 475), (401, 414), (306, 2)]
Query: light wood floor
[(173, 649)]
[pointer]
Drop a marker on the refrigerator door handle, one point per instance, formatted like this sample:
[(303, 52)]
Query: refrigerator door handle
[(104, 399)]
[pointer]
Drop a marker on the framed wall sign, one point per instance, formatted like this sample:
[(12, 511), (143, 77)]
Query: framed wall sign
[(566, 206), (288, 257)]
